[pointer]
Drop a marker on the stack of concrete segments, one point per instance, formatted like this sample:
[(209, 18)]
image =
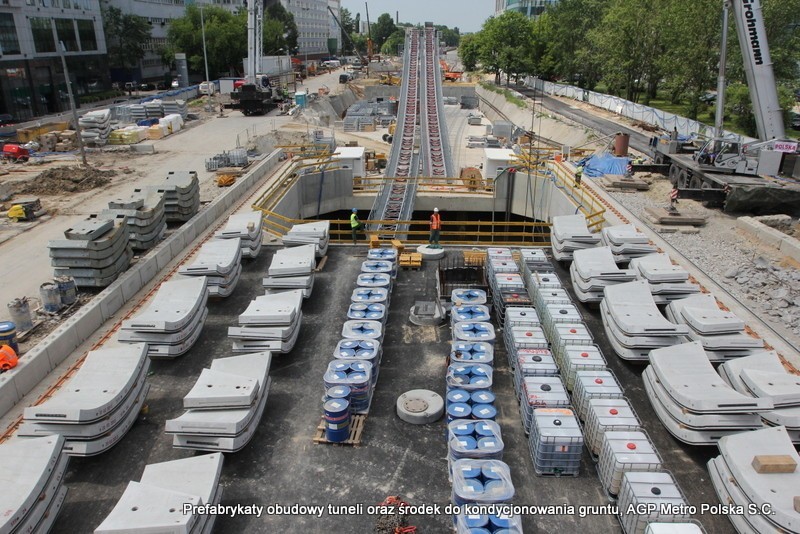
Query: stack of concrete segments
[(691, 400), (481, 482), (542, 392), (225, 405), (556, 442), (181, 191), (633, 323), (33, 470), (95, 126), (314, 233), (220, 262), (290, 269), (757, 471), (590, 385), (172, 321), (651, 497), (171, 497), (246, 227), (624, 452), (667, 281), (468, 296), (463, 352), (721, 332), (98, 405), (593, 270), (95, 252), (570, 233), (270, 323), (763, 375), (626, 242), (608, 415), (147, 220)]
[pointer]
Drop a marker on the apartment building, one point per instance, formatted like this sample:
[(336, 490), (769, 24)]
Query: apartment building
[(529, 8), (313, 22)]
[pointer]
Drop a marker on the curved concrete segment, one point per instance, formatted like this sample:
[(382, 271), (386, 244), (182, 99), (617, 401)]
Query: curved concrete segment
[(173, 307)]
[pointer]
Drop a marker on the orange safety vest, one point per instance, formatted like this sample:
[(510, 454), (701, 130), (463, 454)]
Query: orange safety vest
[(436, 222)]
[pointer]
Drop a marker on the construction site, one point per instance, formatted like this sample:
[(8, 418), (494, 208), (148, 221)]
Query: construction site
[(405, 303)]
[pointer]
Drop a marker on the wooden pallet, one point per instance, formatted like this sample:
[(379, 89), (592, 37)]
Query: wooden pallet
[(410, 260), (356, 431), (398, 245), (474, 257), (374, 242)]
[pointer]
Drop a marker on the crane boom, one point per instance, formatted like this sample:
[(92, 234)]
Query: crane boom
[(344, 32), (758, 68)]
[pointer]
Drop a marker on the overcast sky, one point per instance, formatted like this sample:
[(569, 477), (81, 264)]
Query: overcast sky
[(468, 15)]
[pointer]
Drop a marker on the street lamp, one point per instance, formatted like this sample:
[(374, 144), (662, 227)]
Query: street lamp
[(62, 49), (205, 60)]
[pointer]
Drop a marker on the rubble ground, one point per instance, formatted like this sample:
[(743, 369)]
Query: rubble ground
[(71, 179), (759, 276)]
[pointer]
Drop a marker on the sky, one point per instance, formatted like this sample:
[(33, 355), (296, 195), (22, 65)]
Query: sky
[(467, 15)]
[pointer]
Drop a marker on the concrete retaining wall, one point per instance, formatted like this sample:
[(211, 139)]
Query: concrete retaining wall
[(393, 91), (35, 365)]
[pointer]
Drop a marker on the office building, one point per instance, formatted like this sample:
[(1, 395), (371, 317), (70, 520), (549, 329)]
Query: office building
[(529, 8)]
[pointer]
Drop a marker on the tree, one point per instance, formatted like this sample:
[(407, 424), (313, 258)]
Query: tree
[(499, 53), (226, 39), (450, 37), (126, 36), (468, 51), (382, 29), (740, 108), (389, 48), (276, 12), (360, 41), (348, 28)]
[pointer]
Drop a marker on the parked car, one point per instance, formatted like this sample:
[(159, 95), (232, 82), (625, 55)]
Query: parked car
[(175, 84), (208, 88), (6, 119), (146, 86), (130, 86)]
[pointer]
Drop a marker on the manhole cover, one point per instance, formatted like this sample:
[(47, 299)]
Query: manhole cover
[(416, 405)]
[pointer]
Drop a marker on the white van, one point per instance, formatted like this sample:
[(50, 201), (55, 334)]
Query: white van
[(208, 88)]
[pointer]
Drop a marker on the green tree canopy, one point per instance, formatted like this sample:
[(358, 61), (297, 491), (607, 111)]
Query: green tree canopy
[(226, 39), (382, 29), (390, 47), (499, 53), (348, 27), (469, 51), (126, 36)]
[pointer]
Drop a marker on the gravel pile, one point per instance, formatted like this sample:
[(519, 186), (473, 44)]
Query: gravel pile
[(754, 276)]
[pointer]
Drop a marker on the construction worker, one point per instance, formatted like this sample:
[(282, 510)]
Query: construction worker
[(578, 176), (355, 225), (436, 228)]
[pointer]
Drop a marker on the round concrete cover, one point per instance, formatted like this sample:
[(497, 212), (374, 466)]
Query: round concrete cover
[(420, 406), (429, 253)]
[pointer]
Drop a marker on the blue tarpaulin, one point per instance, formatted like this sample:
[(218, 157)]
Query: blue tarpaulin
[(600, 165)]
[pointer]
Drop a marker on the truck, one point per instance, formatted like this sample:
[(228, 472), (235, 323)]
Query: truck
[(256, 98), (724, 170)]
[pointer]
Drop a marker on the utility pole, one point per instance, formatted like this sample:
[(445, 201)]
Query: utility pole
[(69, 92)]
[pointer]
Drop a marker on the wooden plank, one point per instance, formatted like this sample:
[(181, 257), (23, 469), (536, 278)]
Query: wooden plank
[(356, 432), (774, 463), (321, 264)]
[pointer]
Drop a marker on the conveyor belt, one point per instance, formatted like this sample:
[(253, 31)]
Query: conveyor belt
[(415, 148)]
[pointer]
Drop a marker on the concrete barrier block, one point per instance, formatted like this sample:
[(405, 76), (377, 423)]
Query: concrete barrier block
[(88, 319), (111, 303), (770, 236), (130, 283), (8, 392), (32, 369), (176, 244), (148, 268), (791, 247), (59, 344), (163, 255), (189, 230)]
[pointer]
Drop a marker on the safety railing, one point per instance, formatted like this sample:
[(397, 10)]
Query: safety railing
[(430, 184), (587, 204), (519, 233)]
